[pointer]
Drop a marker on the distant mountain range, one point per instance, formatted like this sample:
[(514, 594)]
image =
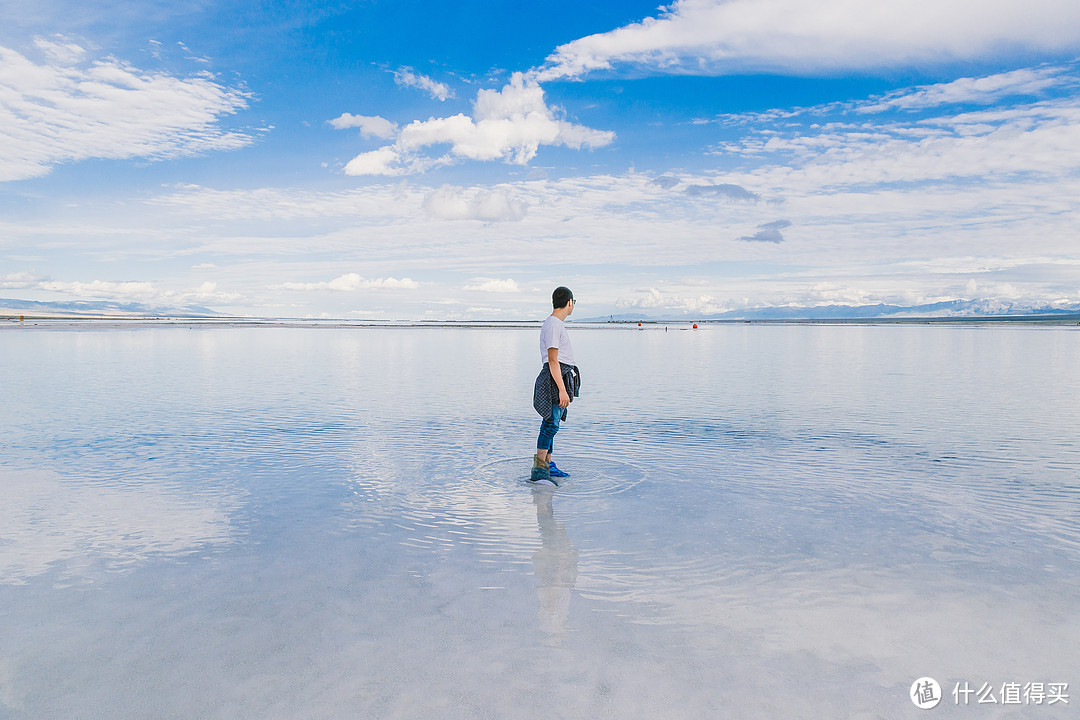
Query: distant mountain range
[(948, 309), (971, 309), (100, 308)]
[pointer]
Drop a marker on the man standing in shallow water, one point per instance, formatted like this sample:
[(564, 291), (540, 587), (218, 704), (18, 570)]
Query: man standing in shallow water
[(556, 385)]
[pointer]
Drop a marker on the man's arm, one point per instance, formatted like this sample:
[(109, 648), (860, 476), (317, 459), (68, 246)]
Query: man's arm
[(556, 375)]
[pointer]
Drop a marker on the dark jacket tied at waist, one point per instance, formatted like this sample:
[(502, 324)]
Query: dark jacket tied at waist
[(546, 392)]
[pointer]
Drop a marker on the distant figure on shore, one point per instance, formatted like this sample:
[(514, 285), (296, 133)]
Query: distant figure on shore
[(556, 386)]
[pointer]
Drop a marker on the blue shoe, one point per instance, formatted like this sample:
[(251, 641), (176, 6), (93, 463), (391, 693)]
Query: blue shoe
[(556, 472)]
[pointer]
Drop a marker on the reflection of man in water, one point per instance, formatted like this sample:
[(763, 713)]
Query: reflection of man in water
[(555, 563)]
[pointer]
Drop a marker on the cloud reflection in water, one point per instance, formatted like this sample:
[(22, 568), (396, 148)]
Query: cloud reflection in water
[(47, 521)]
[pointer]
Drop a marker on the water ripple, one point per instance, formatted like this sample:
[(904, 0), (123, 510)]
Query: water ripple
[(589, 476)]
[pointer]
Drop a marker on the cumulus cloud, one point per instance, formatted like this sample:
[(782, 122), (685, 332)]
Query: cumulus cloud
[(19, 281), (493, 285), (208, 292), (656, 299), (383, 161), (794, 36), (769, 232), (835, 293), (451, 203), (509, 124), (405, 77), (69, 108), (369, 125), (351, 282)]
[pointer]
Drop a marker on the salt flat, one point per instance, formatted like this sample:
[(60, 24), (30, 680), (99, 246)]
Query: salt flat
[(762, 521)]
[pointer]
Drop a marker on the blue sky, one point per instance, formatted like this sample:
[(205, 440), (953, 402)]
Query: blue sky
[(457, 160)]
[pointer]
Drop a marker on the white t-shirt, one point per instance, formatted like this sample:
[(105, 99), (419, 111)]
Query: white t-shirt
[(553, 335)]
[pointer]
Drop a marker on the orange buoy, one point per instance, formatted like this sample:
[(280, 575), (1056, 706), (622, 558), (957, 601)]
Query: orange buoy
[(639, 324), (695, 326)]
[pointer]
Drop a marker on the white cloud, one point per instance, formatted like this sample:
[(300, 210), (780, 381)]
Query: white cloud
[(351, 282), (60, 50), (836, 146), (391, 162), (451, 203), (878, 200), (493, 285), (799, 37), (208, 293), (19, 281), (655, 299), (832, 293), (981, 90), (52, 523), (369, 125), (68, 109), (1002, 89), (290, 204), (130, 291), (405, 77), (103, 289), (509, 124), (768, 232), (725, 191)]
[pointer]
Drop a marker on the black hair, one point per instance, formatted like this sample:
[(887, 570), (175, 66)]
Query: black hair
[(561, 297)]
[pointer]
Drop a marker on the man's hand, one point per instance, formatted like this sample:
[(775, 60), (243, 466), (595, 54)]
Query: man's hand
[(564, 398)]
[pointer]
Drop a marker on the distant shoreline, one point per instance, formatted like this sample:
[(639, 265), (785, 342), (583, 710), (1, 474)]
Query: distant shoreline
[(103, 322)]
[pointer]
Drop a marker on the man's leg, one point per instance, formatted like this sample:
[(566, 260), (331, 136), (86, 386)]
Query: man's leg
[(556, 415), (549, 437), (544, 443), (555, 472)]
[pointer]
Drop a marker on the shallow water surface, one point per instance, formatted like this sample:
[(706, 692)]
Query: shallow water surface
[(762, 521)]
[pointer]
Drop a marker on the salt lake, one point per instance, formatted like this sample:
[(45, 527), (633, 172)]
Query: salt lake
[(762, 521)]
